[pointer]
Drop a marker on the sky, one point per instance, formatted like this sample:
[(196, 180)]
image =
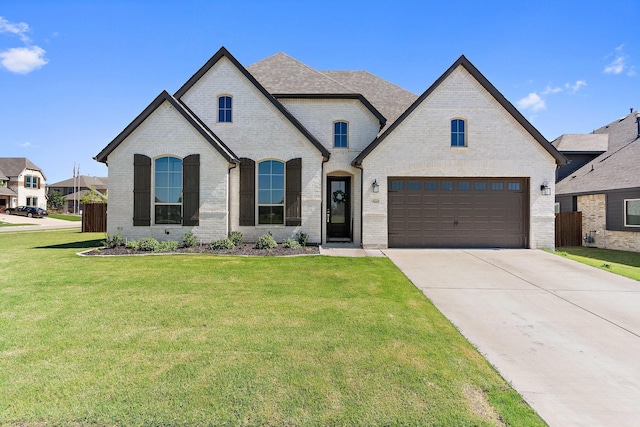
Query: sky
[(74, 74)]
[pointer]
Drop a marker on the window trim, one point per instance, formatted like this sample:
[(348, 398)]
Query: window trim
[(457, 133), (154, 204), (346, 134), (225, 109), (624, 212), (257, 193)]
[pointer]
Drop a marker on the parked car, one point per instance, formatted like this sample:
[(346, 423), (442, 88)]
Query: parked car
[(29, 211)]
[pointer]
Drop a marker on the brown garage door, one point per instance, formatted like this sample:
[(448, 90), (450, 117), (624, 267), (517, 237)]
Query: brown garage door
[(458, 212)]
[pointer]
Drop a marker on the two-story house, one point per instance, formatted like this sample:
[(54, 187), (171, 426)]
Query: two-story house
[(22, 183), (343, 156)]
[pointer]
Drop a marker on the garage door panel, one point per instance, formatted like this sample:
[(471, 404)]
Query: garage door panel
[(458, 212)]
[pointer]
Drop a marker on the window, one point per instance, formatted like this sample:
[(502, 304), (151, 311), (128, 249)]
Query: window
[(480, 186), (464, 186), (168, 190), (446, 186), (457, 133), (224, 109), (430, 185), (414, 185), (632, 213), (30, 181), (513, 186), (271, 192), (340, 135), (397, 185), (497, 186)]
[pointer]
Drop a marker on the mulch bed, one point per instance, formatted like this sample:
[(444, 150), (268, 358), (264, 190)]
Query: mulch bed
[(244, 249)]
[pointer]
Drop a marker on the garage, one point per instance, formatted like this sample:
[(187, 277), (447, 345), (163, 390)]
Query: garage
[(458, 212)]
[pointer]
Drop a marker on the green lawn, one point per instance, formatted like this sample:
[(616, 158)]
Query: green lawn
[(213, 340), (619, 262), (7, 224)]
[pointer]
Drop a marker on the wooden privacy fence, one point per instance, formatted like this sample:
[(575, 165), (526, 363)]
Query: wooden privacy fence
[(568, 229), (94, 217)]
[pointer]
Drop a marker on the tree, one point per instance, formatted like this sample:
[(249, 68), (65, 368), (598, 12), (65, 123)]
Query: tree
[(93, 196), (56, 200)]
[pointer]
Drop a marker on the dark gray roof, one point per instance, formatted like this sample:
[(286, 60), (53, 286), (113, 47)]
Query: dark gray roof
[(96, 182), (284, 76), (13, 166), (3, 177), (615, 169), (4, 191)]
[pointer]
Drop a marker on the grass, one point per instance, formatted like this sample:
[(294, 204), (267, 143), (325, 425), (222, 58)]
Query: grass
[(212, 340), (619, 262), (66, 217), (7, 224)]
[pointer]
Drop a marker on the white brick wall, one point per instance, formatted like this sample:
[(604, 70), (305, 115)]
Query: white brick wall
[(497, 146), (166, 132), (24, 192), (260, 132)]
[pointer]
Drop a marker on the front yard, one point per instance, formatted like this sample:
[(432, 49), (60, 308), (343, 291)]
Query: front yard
[(619, 262), (215, 340)]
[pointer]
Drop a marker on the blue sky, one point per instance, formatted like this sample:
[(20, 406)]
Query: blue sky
[(73, 74)]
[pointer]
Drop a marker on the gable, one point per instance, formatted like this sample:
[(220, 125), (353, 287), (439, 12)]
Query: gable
[(253, 107), (463, 92), (175, 119)]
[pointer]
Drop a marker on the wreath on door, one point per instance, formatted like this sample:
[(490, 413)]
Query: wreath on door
[(339, 196)]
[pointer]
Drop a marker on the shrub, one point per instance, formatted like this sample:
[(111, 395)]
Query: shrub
[(266, 241), (189, 239), (131, 244), (168, 246), (302, 238), (113, 240), (225, 243), (148, 244), (291, 243), (236, 237)]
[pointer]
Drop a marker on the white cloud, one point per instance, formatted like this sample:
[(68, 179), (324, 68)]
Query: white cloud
[(23, 60), (620, 63), (576, 86), (532, 102), (550, 89), (616, 67), (25, 144), (19, 29)]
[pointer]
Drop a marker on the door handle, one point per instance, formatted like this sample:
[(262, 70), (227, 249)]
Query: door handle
[(455, 222), (328, 215)]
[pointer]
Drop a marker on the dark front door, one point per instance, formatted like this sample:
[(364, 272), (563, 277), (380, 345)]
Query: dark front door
[(339, 208)]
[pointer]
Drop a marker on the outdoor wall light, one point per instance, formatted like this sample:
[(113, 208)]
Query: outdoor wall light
[(376, 186), (545, 189)]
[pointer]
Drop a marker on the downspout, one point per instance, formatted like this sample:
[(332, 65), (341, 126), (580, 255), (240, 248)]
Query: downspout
[(323, 215), (232, 166), (359, 166)]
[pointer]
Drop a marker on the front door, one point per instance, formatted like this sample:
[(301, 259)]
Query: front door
[(339, 208)]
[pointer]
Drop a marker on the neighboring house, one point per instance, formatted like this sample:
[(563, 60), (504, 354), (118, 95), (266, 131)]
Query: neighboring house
[(74, 189), (21, 183), (579, 150), (607, 189), (343, 156)]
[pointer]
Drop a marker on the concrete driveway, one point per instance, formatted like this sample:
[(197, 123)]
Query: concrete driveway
[(38, 223), (565, 335)]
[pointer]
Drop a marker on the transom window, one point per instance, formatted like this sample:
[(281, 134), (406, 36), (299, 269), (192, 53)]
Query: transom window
[(271, 192), (458, 133), (168, 190), (224, 109), (632, 213), (341, 135)]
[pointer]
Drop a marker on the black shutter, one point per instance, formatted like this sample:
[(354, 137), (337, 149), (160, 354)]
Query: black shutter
[(191, 190), (293, 208), (247, 192), (141, 190)]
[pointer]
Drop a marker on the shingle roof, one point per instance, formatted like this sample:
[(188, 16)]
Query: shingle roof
[(13, 166), (579, 143), (83, 181), (281, 75), (615, 169), (4, 191)]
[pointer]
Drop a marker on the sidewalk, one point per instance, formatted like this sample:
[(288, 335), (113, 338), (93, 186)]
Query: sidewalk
[(348, 250), (35, 223)]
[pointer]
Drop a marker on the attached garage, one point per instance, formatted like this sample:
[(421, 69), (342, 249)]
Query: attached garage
[(458, 212)]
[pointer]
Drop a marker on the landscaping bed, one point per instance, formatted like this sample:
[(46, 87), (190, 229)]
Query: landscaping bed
[(244, 249)]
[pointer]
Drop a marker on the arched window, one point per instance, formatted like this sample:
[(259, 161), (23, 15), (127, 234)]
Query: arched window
[(224, 109), (271, 192), (341, 134), (458, 133), (168, 190)]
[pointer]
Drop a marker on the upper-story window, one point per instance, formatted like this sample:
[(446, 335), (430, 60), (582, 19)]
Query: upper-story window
[(271, 192), (340, 135), (30, 181), (224, 109), (458, 133), (168, 190)]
